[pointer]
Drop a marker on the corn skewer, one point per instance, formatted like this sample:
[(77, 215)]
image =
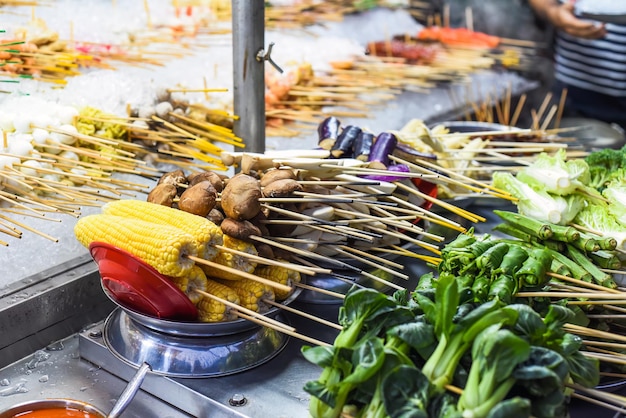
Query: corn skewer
[(240, 273)]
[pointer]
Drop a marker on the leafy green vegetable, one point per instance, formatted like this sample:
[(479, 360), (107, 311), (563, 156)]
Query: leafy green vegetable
[(456, 338), (406, 393), (553, 174), (495, 354), (605, 166), (615, 192), (541, 379), (598, 218), (361, 312), (516, 407), (537, 204)]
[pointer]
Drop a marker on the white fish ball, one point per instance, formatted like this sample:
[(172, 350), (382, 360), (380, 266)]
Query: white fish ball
[(8, 161), (20, 147), (22, 123), (65, 138), (66, 114), (40, 135), (29, 167), (51, 177), (69, 155)]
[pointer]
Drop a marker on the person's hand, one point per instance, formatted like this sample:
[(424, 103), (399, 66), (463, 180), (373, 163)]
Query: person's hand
[(563, 18)]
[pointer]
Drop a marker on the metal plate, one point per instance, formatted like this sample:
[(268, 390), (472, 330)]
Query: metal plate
[(193, 357), (619, 19), (197, 329)]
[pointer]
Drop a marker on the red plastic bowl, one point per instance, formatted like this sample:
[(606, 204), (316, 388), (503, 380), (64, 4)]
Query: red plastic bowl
[(138, 286)]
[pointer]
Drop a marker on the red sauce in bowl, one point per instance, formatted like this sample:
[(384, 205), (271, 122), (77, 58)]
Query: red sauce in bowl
[(62, 412)]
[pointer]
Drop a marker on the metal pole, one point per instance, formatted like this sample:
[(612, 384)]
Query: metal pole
[(248, 72)]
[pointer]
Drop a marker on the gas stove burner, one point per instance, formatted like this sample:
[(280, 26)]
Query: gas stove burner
[(192, 357)]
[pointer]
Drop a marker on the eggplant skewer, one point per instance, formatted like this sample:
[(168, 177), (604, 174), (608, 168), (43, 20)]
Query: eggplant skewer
[(328, 131), (363, 146), (342, 148)]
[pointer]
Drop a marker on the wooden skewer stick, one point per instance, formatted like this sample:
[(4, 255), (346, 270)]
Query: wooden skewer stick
[(267, 261), (600, 394), (583, 283), (303, 314), (243, 274), (597, 402), (580, 330), (619, 400), (605, 344), (418, 212), (320, 290), (596, 302), (619, 298), (283, 330), (371, 263), (372, 256), (28, 228), (605, 357), (245, 310), (426, 245), (458, 211), (484, 188)]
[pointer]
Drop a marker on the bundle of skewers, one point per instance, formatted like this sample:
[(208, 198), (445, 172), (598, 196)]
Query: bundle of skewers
[(498, 273), (546, 287), (57, 159), (295, 99), (36, 51)]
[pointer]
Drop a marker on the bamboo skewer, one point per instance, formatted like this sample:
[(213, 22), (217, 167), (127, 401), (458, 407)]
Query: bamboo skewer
[(303, 314), (319, 290), (245, 310), (267, 261), (583, 283), (243, 274), (341, 250), (283, 330)]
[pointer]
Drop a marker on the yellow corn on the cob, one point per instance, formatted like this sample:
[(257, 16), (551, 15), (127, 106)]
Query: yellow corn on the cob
[(235, 261), (205, 232), (251, 293), (280, 275), (194, 280), (163, 247), (210, 310)]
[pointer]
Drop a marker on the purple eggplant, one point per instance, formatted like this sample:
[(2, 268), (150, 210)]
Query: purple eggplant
[(328, 131), (345, 141), (363, 146), (383, 146)]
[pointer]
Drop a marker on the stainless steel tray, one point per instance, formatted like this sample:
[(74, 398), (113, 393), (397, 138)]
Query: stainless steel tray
[(197, 329)]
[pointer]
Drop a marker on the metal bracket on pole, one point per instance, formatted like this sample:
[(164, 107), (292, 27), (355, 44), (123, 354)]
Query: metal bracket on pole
[(267, 56)]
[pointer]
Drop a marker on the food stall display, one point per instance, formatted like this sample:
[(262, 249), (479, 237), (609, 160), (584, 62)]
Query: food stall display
[(367, 267)]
